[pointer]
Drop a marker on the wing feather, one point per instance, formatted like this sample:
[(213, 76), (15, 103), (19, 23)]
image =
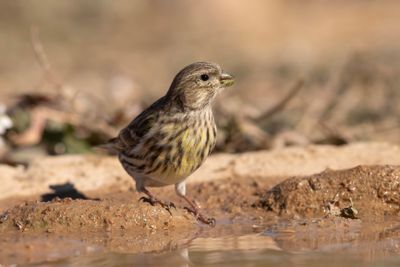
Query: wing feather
[(131, 135)]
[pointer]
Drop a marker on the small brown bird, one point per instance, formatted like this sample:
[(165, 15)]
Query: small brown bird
[(169, 140)]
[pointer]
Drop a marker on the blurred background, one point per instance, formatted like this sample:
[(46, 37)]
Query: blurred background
[(72, 73)]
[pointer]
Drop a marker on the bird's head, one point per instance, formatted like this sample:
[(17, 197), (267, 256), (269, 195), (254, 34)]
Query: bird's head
[(196, 85)]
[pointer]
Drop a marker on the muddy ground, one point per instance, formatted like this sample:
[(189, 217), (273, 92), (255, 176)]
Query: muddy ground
[(68, 206)]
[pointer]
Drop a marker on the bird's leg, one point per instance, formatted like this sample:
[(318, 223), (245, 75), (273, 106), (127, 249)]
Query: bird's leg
[(152, 200), (180, 189), (196, 212)]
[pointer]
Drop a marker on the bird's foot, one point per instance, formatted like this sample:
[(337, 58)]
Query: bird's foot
[(200, 217), (154, 201)]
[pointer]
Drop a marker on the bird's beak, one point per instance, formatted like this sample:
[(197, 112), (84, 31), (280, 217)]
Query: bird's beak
[(227, 80)]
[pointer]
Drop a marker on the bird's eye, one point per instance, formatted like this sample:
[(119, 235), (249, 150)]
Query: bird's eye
[(204, 77)]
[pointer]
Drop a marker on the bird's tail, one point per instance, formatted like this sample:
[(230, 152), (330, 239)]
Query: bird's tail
[(113, 146)]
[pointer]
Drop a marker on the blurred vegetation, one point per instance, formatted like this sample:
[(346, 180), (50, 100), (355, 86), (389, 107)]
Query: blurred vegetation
[(75, 72)]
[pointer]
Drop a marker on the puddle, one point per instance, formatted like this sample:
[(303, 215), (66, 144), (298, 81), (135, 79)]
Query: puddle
[(247, 250), (290, 243)]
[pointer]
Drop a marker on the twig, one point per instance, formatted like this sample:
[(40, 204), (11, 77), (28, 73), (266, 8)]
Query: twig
[(344, 80), (42, 58), (281, 104)]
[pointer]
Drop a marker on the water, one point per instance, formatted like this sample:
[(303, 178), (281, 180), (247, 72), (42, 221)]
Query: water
[(248, 250), (320, 242)]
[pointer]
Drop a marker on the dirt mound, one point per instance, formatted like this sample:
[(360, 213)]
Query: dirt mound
[(366, 190), (67, 215)]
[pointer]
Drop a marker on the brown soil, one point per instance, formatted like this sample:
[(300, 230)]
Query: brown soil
[(71, 220), (35, 230), (370, 190), (67, 215), (117, 221)]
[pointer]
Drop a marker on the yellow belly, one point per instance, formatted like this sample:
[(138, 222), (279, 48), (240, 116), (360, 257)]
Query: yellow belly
[(191, 149)]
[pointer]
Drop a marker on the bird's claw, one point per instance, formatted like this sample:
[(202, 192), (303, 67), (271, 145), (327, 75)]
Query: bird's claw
[(201, 218), (153, 201), (170, 205), (167, 205), (149, 200)]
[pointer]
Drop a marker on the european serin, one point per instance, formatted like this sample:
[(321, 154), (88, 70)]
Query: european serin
[(169, 140)]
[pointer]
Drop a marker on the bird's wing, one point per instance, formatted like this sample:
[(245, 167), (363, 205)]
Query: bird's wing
[(130, 136)]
